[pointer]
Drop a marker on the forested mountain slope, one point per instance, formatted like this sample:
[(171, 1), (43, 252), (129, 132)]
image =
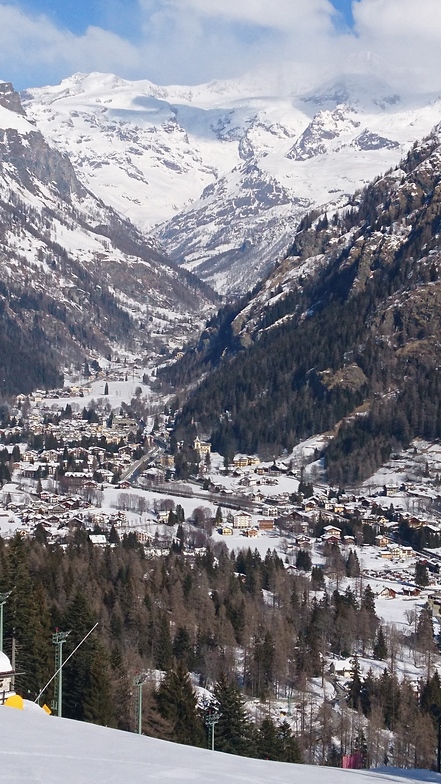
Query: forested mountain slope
[(210, 615), (348, 323), (75, 277)]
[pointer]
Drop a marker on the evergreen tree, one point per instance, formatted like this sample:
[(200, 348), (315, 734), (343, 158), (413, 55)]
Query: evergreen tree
[(303, 561), (121, 690), (421, 574), (368, 601), (86, 685), (264, 653), (114, 536), (27, 618), (177, 704), (430, 695), (97, 700), (234, 731), (290, 748), (269, 744), (317, 578), (162, 644), (352, 565), (218, 517), (182, 649), (380, 648), (355, 685)]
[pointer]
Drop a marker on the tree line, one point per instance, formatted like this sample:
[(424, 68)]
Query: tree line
[(243, 625)]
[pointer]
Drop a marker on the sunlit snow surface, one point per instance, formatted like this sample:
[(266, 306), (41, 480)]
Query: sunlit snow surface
[(36, 749)]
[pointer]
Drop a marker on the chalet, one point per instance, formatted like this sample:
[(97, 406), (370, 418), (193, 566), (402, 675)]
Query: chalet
[(240, 461), (202, 448), (309, 505), (70, 503), (303, 541), (395, 549), (342, 667), (31, 471), (124, 425), (266, 524), (99, 540), (251, 532), (248, 481), (331, 531), (414, 522), (411, 590), (387, 593), (227, 530), (381, 540), (142, 536), (242, 520)]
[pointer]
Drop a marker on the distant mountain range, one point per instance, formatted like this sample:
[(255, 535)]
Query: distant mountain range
[(222, 173)]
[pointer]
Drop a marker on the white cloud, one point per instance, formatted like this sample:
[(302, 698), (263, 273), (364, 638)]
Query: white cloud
[(35, 47), (208, 39), (404, 37), (277, 14), (196, 40)]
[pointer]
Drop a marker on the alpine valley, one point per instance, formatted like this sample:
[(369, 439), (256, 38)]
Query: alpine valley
[(126, 206), (75, 276)]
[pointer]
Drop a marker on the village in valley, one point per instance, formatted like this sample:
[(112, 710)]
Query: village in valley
[(82, 458)]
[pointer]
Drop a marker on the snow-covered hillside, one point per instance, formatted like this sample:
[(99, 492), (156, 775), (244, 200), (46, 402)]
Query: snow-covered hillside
[(225, 170), (36, 748), (74, 274)]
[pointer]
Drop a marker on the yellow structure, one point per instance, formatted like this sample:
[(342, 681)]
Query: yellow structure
[(15, 701)]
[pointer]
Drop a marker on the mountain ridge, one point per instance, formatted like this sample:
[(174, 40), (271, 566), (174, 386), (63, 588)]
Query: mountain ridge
[(179, 159)]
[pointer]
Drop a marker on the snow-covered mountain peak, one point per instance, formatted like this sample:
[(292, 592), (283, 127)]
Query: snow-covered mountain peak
[(172, 158), (358, 90)]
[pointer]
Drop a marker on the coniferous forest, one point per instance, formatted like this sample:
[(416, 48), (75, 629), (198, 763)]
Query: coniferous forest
[(246, 629)]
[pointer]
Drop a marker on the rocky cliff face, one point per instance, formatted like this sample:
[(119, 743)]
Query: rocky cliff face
[(9, 98)]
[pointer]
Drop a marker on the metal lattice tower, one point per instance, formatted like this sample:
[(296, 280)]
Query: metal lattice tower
[(58, 639), (138, 683), (212, 716), (3, 599)]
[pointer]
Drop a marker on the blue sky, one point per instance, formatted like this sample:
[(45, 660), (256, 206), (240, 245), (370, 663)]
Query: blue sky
[(119, 16), (191, 41)]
